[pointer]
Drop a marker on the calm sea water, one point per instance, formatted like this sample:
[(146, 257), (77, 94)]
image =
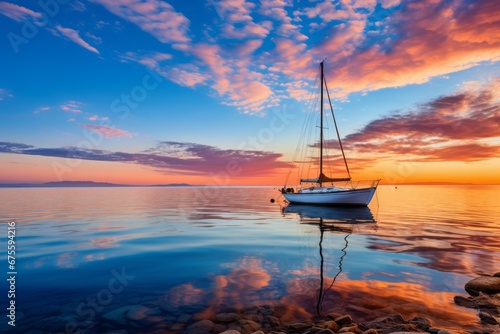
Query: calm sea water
[(86, 256)]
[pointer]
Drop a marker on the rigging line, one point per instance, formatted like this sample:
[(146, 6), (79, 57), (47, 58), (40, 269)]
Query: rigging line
[(337, 130), (303, 134), (308, 134)]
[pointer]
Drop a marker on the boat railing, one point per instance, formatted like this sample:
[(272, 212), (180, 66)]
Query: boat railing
[(359, 184), (342, 185)]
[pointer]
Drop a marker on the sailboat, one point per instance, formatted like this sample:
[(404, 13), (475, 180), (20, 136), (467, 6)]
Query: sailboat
[(323, 189)]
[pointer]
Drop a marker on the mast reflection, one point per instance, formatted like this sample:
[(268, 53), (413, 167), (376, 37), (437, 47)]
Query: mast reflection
[(341, 220)]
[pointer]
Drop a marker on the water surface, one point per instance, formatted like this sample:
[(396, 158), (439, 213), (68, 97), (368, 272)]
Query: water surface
[(188, 253)]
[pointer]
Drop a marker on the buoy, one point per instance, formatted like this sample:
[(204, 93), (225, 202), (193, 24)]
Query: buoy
[(272, 200)]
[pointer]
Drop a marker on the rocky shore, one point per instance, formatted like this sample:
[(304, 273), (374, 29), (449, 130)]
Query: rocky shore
[(263, 321), (484, 296), (145, 315)]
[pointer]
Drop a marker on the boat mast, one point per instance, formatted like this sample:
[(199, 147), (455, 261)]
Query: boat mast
[(321, 128)]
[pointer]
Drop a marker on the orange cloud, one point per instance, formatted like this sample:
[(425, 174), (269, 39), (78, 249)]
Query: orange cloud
[(433, 38)]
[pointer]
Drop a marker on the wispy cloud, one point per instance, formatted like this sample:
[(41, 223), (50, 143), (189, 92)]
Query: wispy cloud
[(78, 6), (16, 12), (74, 36), (72, 106), (41, 109), (171, 157), (97, 118), (5, 93), (152, 60), (156, 17), (107, 131)]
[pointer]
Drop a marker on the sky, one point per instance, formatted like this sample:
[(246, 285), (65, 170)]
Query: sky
[(216, 92)]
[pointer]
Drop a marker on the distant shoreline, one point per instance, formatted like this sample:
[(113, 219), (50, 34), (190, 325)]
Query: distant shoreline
[(86, 184), (92, 184)]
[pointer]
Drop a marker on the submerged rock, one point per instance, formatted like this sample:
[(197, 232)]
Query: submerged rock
[(486, 284), (299, 327), (488, 306), (487, 318), (248, 326), (204, 324), (343, 320), (227, 317), (119, 315)]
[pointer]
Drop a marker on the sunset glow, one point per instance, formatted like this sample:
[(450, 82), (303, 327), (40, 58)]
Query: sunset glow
[(150, 92)]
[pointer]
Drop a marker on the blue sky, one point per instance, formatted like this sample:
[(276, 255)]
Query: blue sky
[(199, 84)]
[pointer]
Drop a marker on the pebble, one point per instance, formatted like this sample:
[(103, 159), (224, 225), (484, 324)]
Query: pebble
[(227, 317), (207, 325), (248, 326), (343, 320)]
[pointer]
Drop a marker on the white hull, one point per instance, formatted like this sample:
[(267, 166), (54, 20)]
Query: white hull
[(335, 197)]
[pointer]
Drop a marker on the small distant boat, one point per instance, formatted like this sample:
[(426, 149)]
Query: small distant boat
[(325, 190)]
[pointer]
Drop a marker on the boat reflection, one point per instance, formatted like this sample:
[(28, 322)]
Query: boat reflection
[(341, 220), (332, 217)]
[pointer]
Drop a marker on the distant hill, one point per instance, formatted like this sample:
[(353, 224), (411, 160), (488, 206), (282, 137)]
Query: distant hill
[(67, 184), (61, 184), (172, 185)]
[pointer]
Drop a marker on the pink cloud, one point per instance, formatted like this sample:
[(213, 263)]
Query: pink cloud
[(276, 9), (295, 59), (155, 17), (97, 118), (188, 76), (210, 54), (72, 106), (246, 49), (74, 36), (328, 11), (16, 12), (232, 79), (107, 131), (237, 20)]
